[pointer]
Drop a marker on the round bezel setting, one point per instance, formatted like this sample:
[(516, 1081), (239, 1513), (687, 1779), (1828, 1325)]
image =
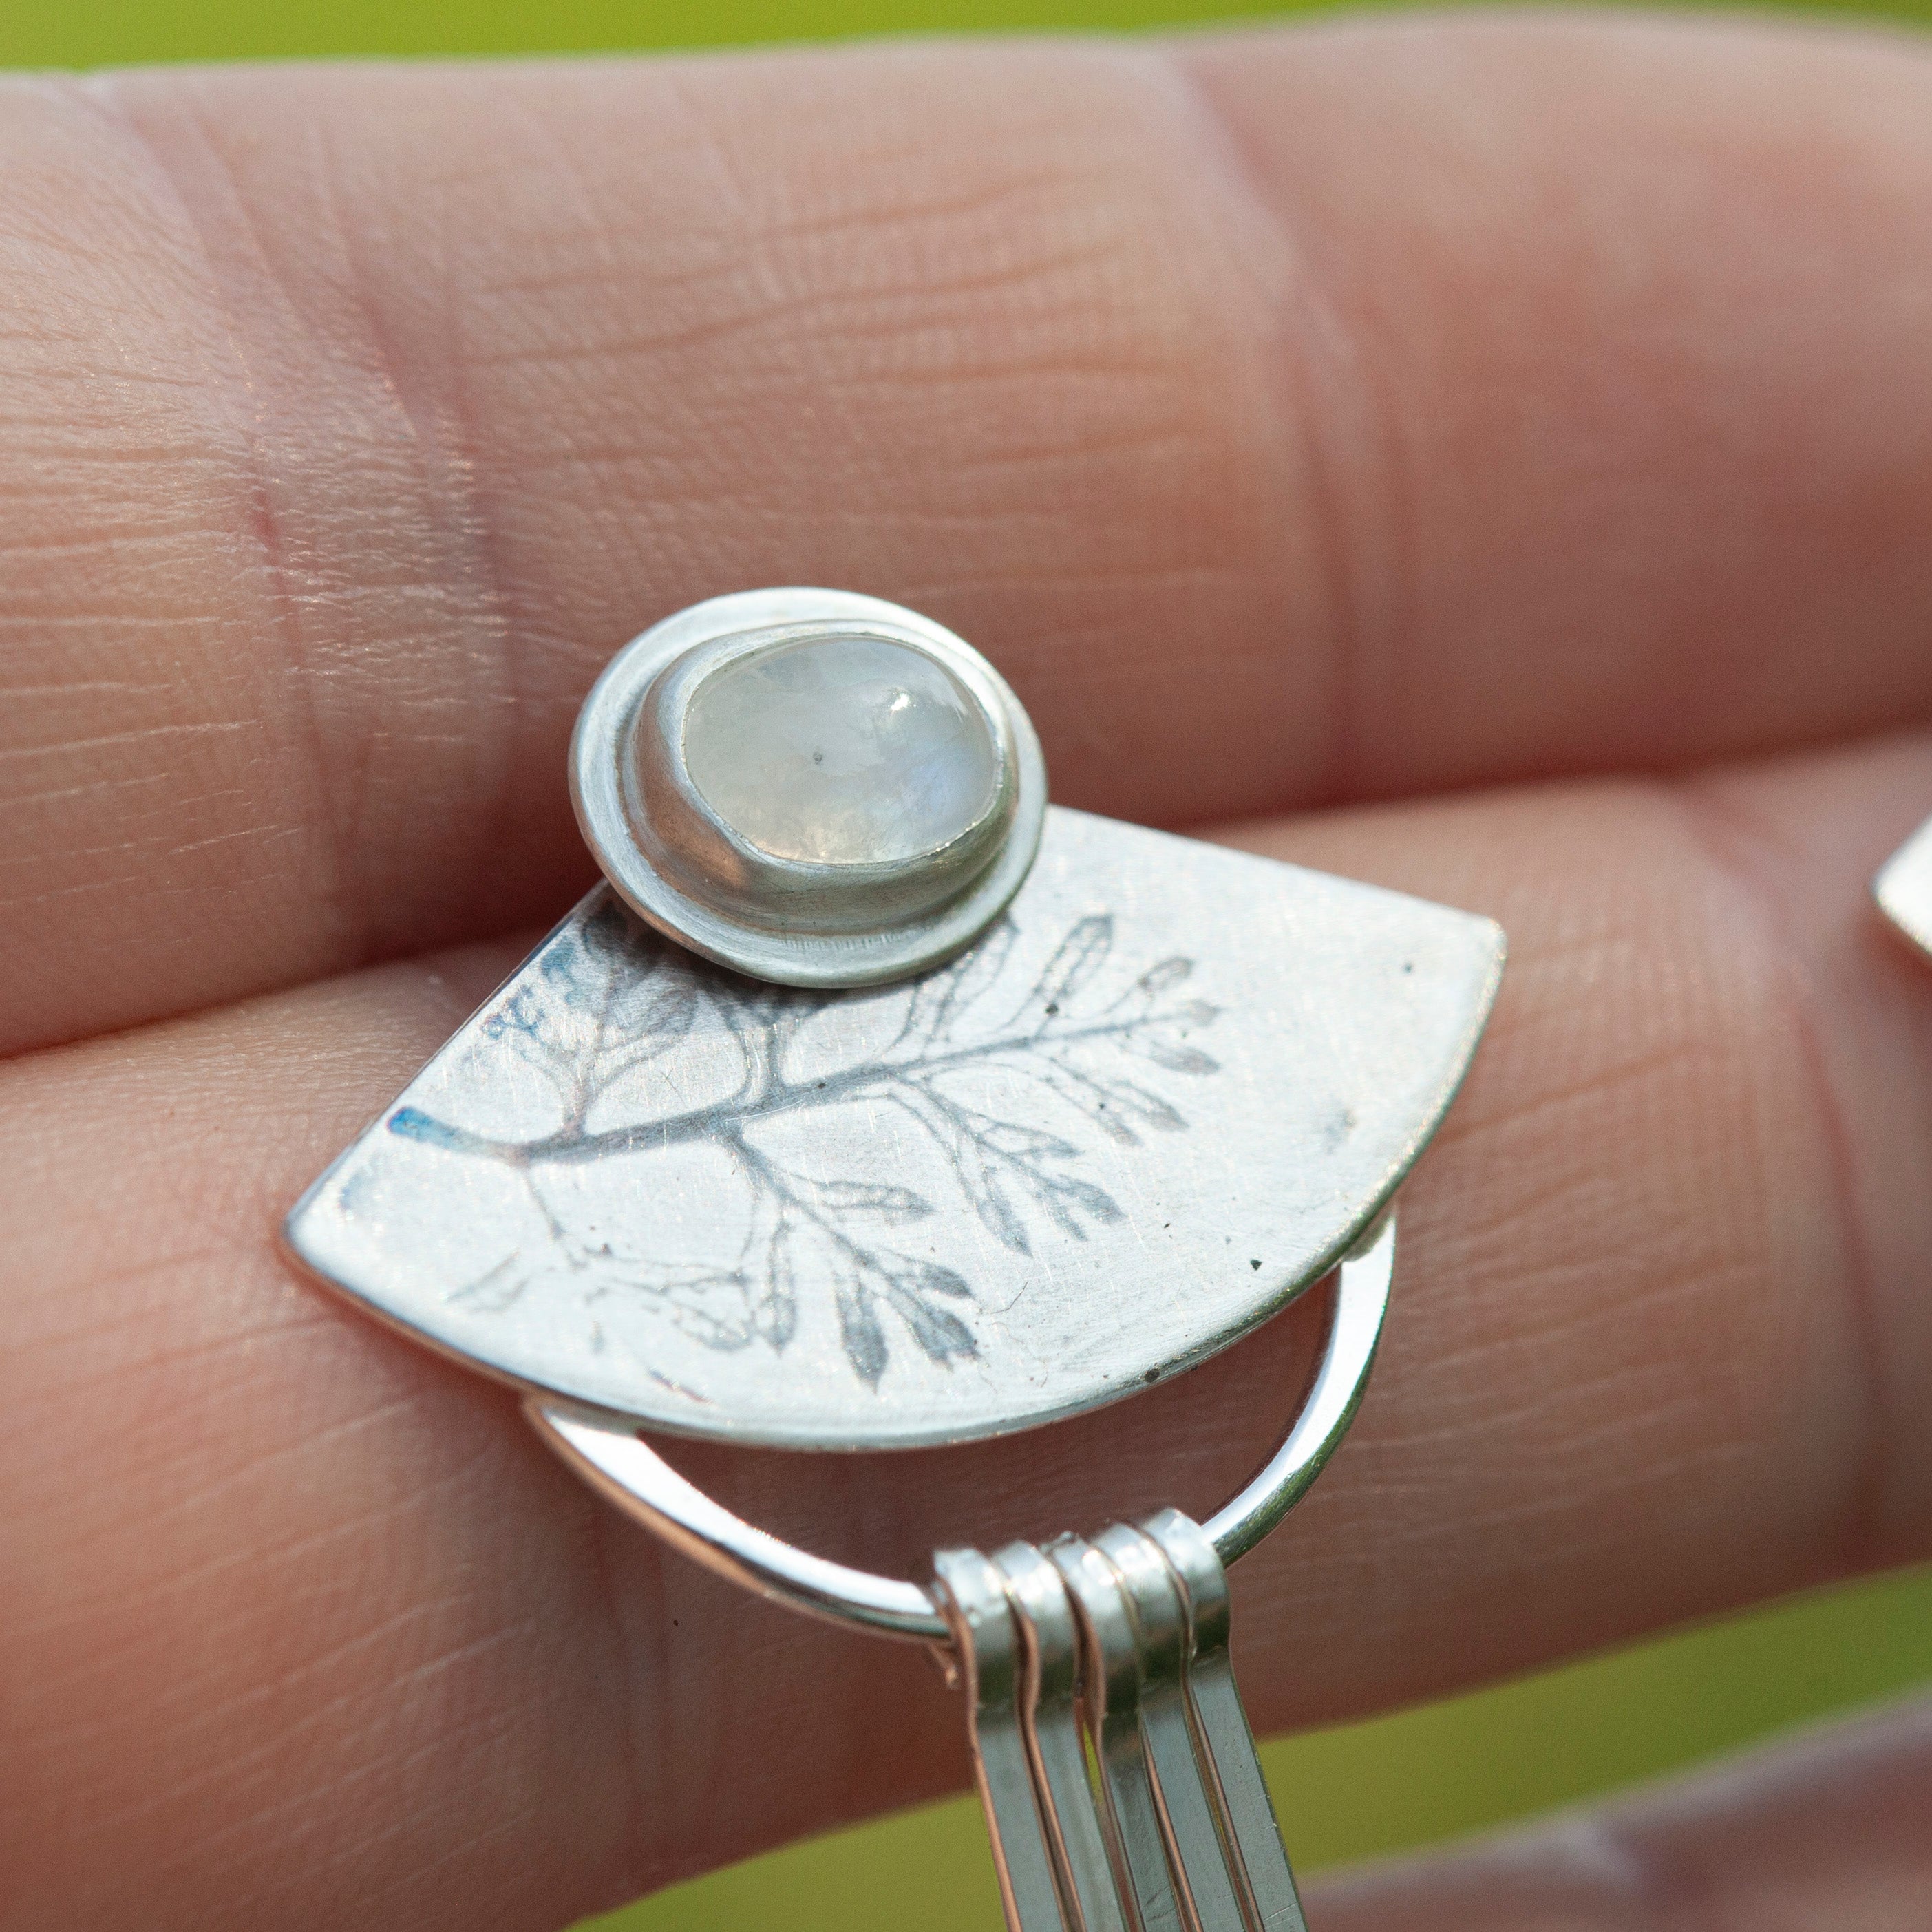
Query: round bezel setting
[(675, 859)]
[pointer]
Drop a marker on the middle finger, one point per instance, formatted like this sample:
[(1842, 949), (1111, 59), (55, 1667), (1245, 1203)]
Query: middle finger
[(1330, 413)]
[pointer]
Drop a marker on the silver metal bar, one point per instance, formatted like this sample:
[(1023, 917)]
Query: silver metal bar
[(1355, 1331), (986, 1634), (1068, 1802), (1226, 1743), (1168, 1734), (606, 1451), (1110, 1671)]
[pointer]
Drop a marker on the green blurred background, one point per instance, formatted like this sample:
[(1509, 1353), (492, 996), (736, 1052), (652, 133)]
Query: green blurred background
[(92, 33), (1394, 1782)]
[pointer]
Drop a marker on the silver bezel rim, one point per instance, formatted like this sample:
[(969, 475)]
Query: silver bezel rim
[(600, 790)]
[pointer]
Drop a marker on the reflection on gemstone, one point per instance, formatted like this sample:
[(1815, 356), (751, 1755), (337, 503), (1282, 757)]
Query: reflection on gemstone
[(841, 750)]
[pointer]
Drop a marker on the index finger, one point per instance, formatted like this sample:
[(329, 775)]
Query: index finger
[(1293, 419)]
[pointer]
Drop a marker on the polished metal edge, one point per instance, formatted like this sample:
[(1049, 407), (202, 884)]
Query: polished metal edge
[(1903, 889)]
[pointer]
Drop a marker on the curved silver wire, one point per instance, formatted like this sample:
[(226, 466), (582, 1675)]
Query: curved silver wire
[(1354, 1332), (989, 1640), (606, 1451)]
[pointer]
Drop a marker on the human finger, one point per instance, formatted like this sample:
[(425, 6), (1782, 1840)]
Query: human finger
[(1296, 419), (1830, 1831), (305, 1621)]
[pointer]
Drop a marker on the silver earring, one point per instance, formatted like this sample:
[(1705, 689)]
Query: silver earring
[(1904, 889), (871, 1102)]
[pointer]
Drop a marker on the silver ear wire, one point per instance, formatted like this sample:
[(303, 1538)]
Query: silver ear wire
[(992, 1664), (1256, 1855), (841, 1116), (1050, 1714), (1115, 1646), (1196, 1854), (1113, 1676)]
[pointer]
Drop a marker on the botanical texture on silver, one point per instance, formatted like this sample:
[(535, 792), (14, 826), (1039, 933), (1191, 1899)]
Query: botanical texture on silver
[(1162, 1096)]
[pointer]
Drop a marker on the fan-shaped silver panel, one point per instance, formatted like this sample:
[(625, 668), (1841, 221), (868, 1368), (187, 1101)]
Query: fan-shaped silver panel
[(1163, 1096)]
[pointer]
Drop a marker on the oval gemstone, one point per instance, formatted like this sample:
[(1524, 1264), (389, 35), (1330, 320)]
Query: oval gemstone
[(841, 750)]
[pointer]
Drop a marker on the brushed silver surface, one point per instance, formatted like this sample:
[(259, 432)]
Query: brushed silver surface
[(1169, 1090), (1904, 889)]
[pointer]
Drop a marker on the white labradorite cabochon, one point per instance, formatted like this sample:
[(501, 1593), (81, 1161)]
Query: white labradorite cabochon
[(841, 750), (816, 787)]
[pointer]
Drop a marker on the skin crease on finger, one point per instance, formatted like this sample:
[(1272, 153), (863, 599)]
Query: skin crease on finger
[(305, 1629), (1297, 420), (1270, 409)]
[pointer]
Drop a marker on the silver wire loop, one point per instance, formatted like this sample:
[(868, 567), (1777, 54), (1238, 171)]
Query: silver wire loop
[(1192, 1836), (1230, 1770), (1173, 1830), (1084, 1857), (1117, 1676), (1001, 1694), (606, 1451)]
